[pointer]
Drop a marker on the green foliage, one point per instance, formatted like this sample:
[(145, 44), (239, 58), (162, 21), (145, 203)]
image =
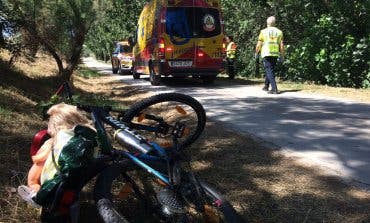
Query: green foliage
[(86, 73), (327, 42), (59, 27), (118, 22), (5, 112), (95, 100), (335, 49), (77, 99)]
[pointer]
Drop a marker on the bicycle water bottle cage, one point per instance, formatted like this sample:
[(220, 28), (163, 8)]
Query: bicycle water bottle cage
[(38, 139)]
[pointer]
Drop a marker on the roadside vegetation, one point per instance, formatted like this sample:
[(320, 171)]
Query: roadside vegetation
[(263, 185), (327, 42)]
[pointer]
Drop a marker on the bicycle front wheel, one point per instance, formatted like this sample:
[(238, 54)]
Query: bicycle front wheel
[(159, 117)]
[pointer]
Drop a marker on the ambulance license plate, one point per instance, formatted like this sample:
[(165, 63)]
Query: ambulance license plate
[(181, 63)]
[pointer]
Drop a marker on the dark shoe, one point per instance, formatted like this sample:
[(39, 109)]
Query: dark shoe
[(273, 92), (265, 88)]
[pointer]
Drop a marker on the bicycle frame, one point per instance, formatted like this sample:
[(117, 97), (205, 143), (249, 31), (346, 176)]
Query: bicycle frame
[(100, 116)]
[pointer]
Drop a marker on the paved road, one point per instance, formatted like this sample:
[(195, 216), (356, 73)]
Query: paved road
[(332, 133)]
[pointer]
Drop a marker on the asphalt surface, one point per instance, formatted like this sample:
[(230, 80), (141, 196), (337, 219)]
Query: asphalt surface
[(331, 133)]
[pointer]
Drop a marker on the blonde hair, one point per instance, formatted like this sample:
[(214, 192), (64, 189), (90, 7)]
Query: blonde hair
[(271, 21), (64, 116)]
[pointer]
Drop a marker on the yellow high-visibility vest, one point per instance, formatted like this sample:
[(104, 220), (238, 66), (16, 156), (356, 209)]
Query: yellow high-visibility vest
[(271, 38), (231, 50)]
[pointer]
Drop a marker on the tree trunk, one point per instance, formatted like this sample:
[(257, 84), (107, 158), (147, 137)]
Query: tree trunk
[(66, 74)]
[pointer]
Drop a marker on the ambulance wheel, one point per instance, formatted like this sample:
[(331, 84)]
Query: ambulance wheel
[(135, 75), (231, 76), (115, 70), (209, 79), (155, 79)]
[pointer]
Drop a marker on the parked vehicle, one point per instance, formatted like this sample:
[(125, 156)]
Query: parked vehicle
[(122, 58), (179, 38)]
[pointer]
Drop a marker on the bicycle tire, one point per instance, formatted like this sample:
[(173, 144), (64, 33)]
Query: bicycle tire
[(108, 208), (108, 213), (106, 195), (184, 106), (225, 207)]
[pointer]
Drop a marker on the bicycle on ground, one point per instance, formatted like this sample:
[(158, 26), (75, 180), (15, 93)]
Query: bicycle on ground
[(144, 164)]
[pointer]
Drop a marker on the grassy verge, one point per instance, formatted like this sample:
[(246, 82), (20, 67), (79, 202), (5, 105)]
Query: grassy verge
[(263, 185), (359, 95), (87, 73)]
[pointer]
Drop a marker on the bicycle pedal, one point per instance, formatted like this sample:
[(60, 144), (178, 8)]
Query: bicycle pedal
[(211, 216), (125, 191), (171, 203)]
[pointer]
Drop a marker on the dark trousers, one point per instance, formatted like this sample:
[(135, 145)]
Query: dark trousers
[(269, 64), (230, 69)]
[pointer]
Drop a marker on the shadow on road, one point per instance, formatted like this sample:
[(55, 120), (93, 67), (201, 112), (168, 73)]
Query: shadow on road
[(333, 131), (196, 82), (286, 91)]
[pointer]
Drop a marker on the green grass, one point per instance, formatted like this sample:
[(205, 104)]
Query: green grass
[(4, 112), (97, 100), (87, 73)]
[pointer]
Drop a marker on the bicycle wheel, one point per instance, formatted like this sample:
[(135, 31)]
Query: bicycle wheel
[(145, 201), (168, 114), (121, 198)]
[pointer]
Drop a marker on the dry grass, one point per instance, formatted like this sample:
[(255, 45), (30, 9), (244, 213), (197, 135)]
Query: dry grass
[(263, 185), (360, 95), (268, 187), (19, 121), (43, 66)]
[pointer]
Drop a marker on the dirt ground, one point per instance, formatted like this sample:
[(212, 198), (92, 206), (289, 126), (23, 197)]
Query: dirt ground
[(260, 182)]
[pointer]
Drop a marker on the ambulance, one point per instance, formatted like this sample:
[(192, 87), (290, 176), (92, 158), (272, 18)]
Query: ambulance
[(179, 38)]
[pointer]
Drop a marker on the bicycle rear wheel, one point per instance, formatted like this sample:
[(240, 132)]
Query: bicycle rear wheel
[(125, 199), (167, 114)]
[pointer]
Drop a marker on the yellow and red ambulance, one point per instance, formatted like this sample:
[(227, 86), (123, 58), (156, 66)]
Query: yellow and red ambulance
[(179, 38)]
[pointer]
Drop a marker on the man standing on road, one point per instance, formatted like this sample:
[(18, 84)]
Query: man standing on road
[(270, 44), (230, 56)]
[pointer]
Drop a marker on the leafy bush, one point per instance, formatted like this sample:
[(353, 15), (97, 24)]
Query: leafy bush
[(331, 55)]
